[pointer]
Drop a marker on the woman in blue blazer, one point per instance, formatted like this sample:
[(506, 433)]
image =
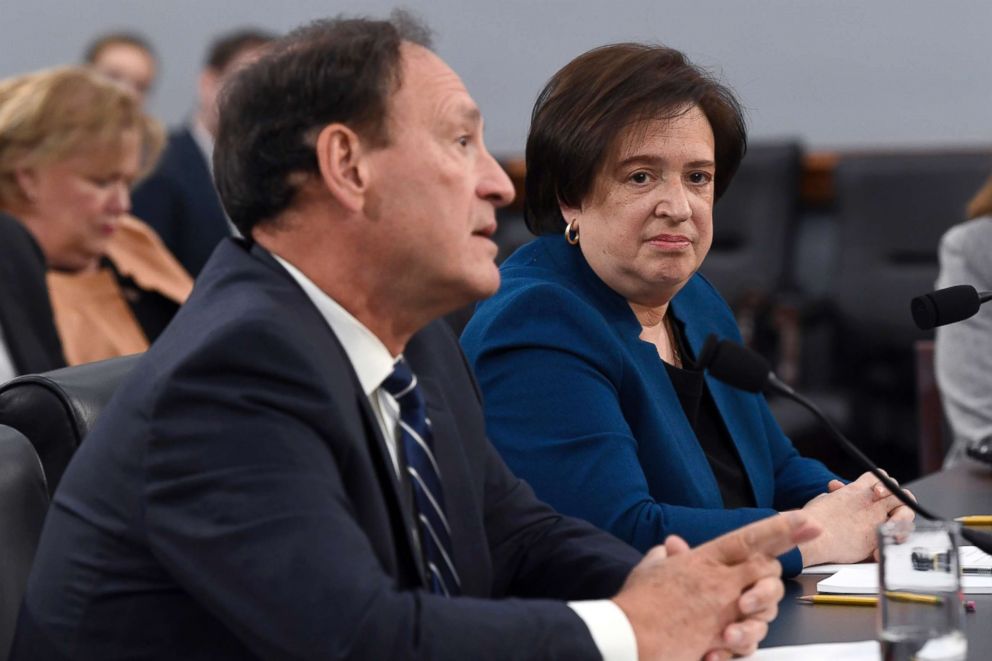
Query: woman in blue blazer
[(586, 354)]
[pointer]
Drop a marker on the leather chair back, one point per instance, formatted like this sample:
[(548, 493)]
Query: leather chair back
[(754, 224), (56, 409), (892, 211), (23, 503)]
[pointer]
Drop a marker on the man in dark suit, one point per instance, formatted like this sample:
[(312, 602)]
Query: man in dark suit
[(179, 199), (298, 467), (28, 339)]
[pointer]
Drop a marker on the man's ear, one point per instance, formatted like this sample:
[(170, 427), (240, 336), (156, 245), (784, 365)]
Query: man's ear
[(343, 164)]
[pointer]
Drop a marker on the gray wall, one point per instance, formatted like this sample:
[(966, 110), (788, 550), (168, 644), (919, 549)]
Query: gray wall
[(837, 73)]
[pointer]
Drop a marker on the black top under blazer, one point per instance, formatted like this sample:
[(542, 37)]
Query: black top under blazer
[(236, 500)]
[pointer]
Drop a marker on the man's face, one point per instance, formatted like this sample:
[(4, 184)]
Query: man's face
[(213, 80), (129, 65), (434, 189)]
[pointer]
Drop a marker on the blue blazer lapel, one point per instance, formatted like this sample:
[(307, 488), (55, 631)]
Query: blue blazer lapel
[(680, 437)]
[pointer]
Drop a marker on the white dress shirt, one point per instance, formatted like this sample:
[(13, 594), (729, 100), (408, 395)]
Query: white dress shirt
[(610, 629)]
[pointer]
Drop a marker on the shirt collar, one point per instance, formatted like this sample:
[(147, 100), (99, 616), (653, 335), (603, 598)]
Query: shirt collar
[(368, 355)]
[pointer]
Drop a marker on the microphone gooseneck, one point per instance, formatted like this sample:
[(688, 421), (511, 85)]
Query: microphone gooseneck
[(742, 368)]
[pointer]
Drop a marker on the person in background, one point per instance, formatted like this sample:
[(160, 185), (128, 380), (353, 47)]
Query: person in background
[(963, 351), (179, 199), (298, 467), (72, 143), (127, 58), (586, 355)]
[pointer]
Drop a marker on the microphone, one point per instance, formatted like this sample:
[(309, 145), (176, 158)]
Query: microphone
[(742, 368), (946, 306)]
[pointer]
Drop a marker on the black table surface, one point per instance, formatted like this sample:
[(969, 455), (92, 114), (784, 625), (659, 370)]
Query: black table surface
[(951, 493)]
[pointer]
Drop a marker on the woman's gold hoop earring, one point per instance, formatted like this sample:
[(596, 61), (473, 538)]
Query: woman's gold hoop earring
[(572, 233)]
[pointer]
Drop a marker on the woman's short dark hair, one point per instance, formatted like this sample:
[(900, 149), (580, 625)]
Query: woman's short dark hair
[(333, 70), (583, 111)]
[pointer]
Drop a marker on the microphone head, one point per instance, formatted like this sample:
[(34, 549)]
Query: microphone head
[(945, 306), (735, 364)]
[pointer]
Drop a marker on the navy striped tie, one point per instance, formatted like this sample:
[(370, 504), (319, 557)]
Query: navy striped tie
[(417, 440)]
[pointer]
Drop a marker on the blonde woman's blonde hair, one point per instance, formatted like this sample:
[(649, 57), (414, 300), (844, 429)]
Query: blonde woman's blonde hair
[(50, 115), (981, 204)]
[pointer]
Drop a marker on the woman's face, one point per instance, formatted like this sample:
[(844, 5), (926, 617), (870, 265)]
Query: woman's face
[(648, 222), (75, 204)]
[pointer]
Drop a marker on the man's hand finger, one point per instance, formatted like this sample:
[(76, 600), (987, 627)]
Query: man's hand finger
[(675, 545), (742, 637), (770, 537), (760, 601), (756, 569), (655, 555), (718, 655)]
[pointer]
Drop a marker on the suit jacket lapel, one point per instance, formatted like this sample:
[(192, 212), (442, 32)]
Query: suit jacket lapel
[(389, 483)]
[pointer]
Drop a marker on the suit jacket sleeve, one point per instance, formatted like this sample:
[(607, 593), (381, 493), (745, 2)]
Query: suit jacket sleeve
[(553, 409), (248, 507), (158, 202)]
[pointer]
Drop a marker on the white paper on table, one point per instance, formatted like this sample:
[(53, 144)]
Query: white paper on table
[(971, 557), (863, 579), (866, 650)]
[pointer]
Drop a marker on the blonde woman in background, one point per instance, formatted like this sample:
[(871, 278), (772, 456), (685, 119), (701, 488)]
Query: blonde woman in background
[(964, 350), (72, 144)]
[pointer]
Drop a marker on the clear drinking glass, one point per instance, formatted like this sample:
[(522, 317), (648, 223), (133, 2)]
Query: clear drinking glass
[(921, 607)]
